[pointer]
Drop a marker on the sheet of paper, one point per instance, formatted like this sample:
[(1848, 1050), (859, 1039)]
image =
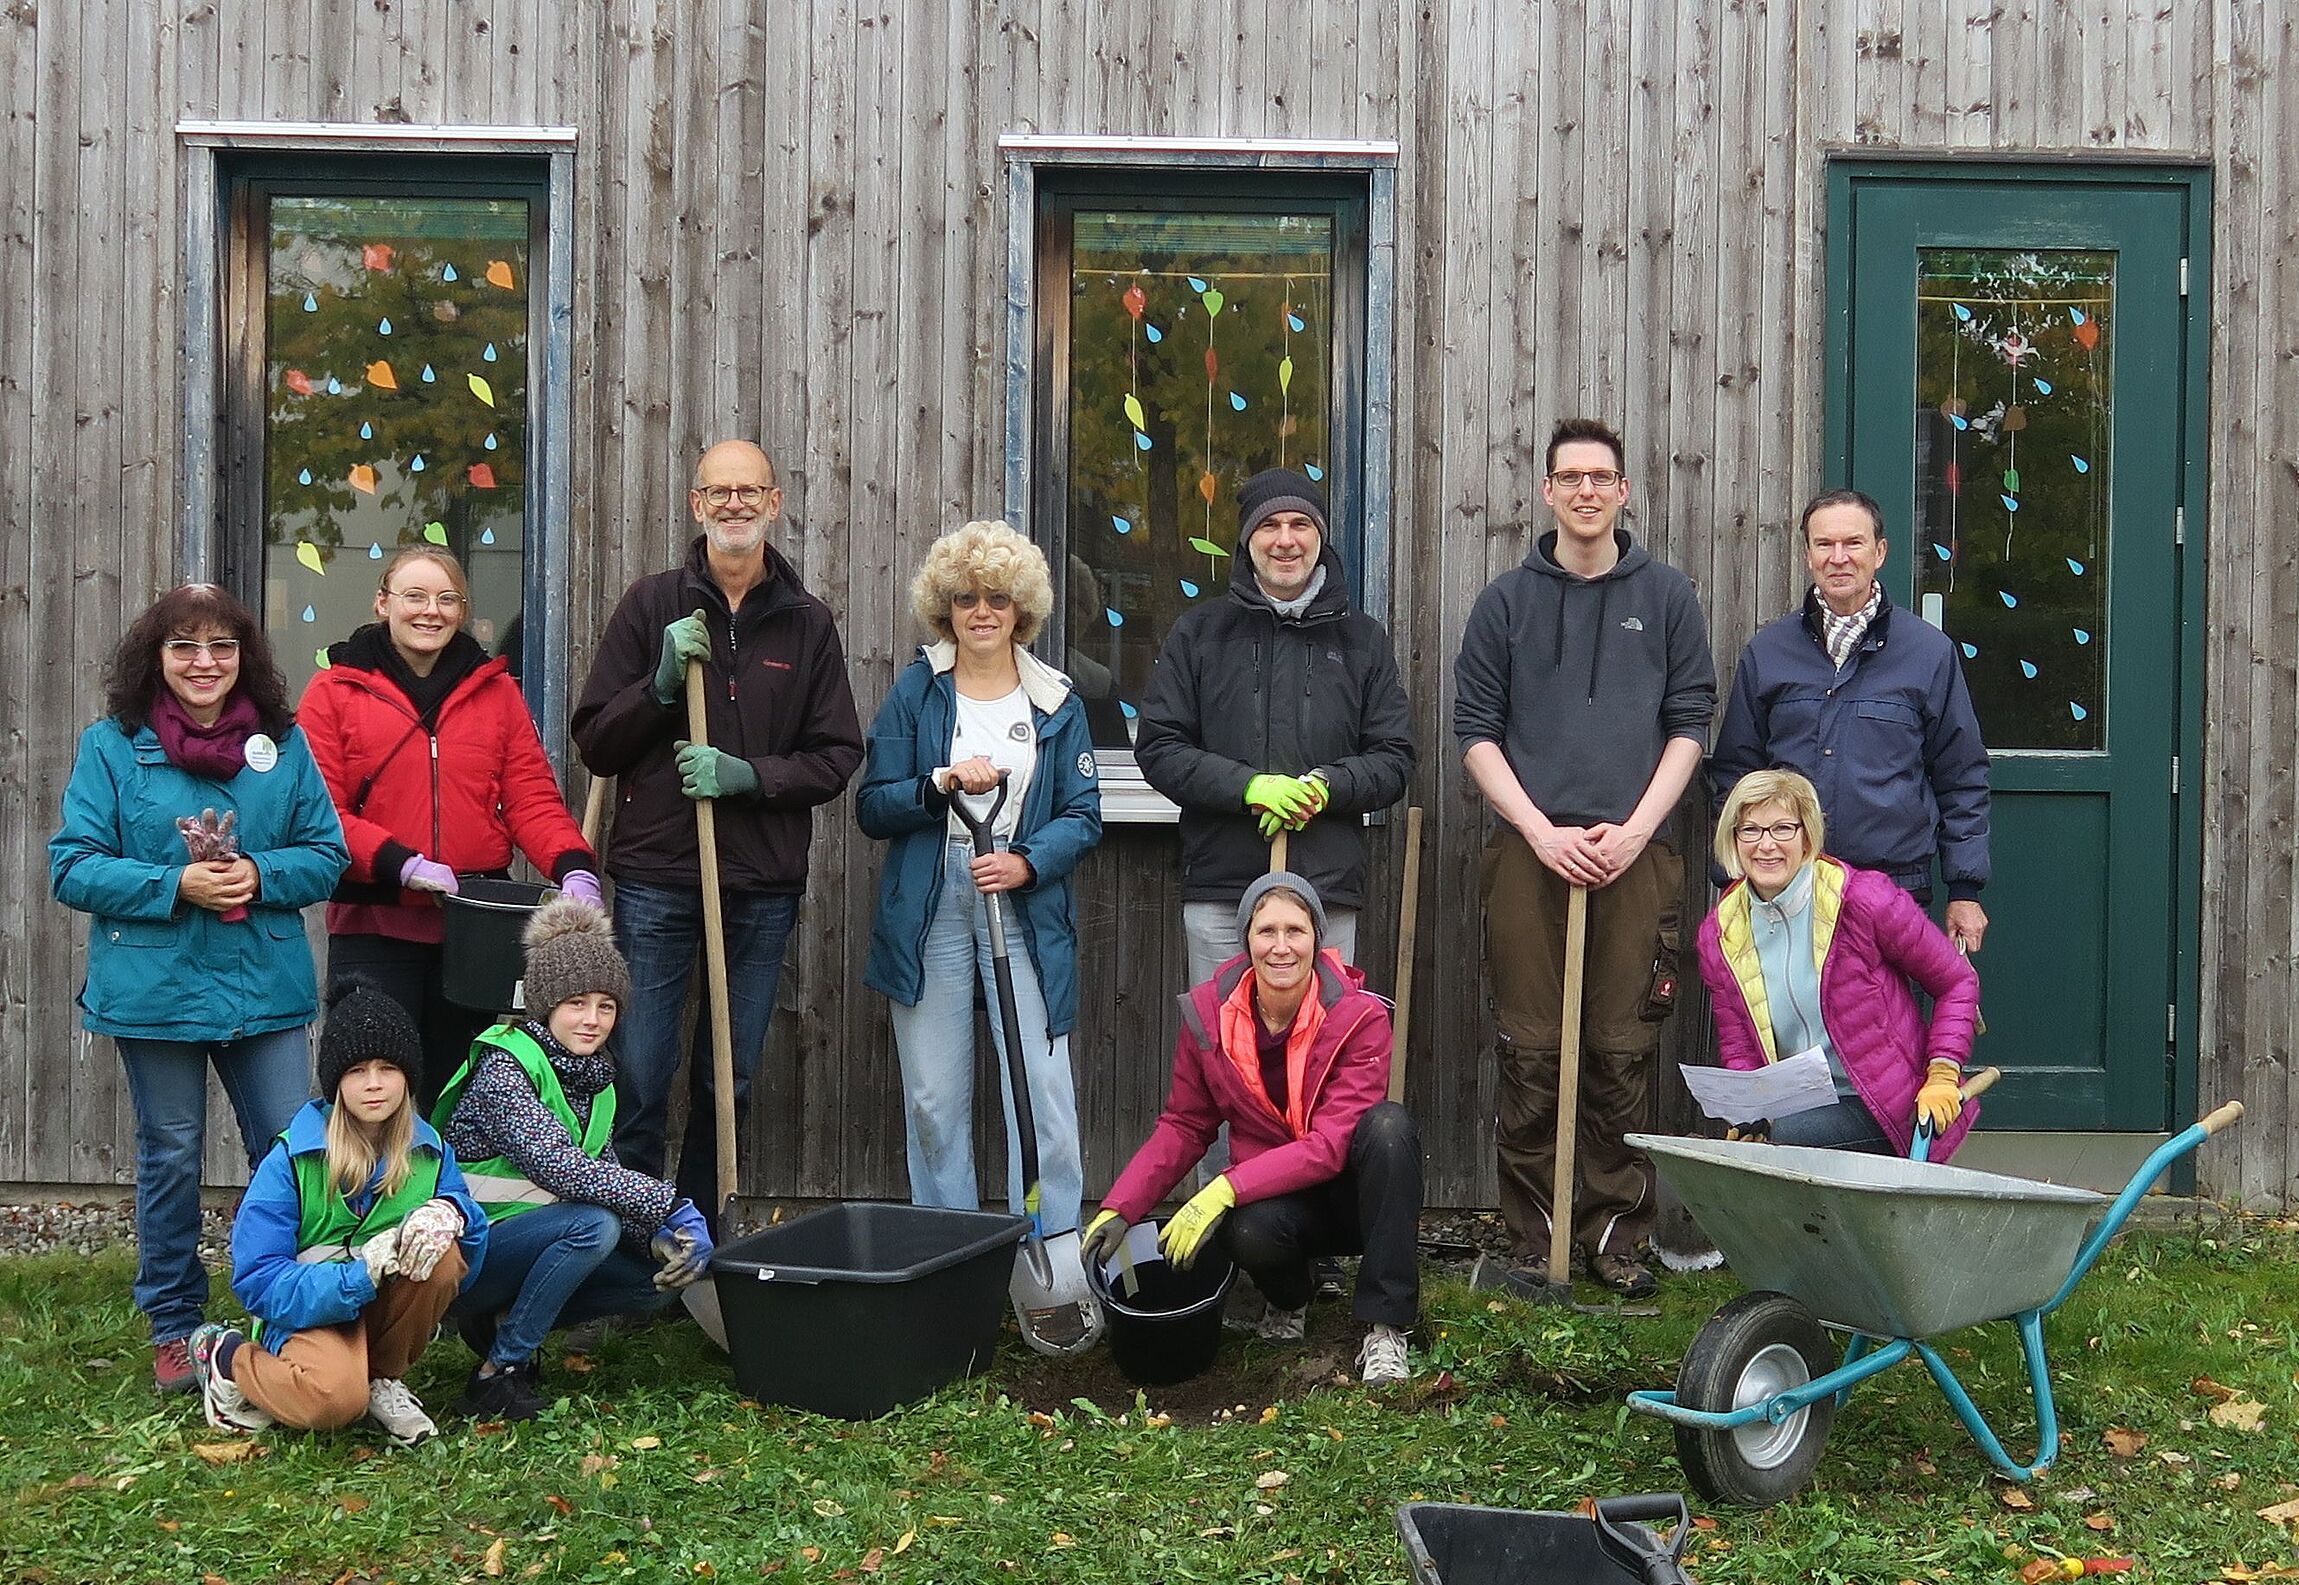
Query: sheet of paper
[(1780, 1089)]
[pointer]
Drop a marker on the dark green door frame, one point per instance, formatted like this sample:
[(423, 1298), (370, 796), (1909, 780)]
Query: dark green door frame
[(2073, 182)]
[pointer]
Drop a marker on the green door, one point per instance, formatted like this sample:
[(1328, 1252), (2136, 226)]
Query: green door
[(2011, 382)]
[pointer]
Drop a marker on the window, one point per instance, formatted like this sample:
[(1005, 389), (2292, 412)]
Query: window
[(1191, 327), (380, 322)]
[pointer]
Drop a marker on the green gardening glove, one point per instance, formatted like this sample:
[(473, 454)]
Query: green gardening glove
[(686, 639), (706, 772), (1285, 797)]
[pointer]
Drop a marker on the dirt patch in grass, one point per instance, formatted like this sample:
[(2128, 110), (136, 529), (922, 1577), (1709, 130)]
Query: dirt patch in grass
[(1246, 1375)]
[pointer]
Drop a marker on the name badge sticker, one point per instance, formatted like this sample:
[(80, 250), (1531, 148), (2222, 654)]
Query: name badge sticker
[(262, 753)]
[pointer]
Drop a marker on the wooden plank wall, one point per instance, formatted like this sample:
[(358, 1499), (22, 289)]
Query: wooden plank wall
[(796, 232)]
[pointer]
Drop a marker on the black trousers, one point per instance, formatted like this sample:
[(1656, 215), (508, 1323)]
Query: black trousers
[(408, 973), (1373, 1208)]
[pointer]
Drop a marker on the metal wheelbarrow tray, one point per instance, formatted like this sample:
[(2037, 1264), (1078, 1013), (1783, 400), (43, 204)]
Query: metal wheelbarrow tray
[(1894, 1252)]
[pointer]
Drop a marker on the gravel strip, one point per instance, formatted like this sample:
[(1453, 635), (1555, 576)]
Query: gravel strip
[(89, 1229)]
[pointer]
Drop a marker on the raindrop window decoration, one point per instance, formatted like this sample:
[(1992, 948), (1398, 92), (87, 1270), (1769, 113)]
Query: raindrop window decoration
[(1200, 352), (362, 455), (2013, 404)]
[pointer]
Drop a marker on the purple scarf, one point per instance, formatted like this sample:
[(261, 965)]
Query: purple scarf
[(218, 752)]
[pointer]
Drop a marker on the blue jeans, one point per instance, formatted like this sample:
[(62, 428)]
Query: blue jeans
[(660, 931), (936, 1042), (557, 1265), (1847, 1125), (267, 1079)]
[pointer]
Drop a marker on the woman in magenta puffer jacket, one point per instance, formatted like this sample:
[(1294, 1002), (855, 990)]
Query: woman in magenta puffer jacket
[(1806, 953)]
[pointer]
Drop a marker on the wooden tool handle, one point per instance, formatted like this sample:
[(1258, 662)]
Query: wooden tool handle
[(1277, 845), (714, 949), (595, 811), (1408, 917), (1568, 1089), (1978, 1084), (2222, 1116)]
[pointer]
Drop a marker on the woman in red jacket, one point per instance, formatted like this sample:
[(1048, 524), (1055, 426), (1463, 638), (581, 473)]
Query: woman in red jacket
[(1286, 1046), (437, 771)]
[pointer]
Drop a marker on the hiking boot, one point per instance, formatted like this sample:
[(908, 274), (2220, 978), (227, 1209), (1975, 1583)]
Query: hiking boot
[(172, 1366), (1625, 1275), (226, 1407), (400, 1413), (508, 1394), (1242, 1311), (1280, 1325), (1382, 1356), (1332, 1283), (1526, 1280)]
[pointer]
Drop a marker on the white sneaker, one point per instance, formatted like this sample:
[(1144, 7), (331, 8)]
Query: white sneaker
[(400, 1413), (1383, 1356), (1281, 1325), (221, 1401)]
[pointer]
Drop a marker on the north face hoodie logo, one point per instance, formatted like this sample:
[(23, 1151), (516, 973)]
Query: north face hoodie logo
[(1633, 624)]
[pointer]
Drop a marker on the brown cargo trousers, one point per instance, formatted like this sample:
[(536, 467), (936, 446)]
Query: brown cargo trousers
[(318, 1379), (1627, 986)]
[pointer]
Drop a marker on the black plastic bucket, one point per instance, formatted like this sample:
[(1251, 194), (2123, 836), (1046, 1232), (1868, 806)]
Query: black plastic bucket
[(1452, 1544), (482, 964), (855, 1308), (1169, 1327)]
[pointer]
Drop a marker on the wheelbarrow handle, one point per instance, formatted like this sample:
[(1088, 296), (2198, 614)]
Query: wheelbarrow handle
[(2221, 1116)]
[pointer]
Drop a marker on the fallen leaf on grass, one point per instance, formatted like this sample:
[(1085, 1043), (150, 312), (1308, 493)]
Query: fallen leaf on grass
[(580, 1364), (1701, 1521), (2205, 1387), (706, 1569), (218, 1453), (2041, 1569), (873, 1560), (829, 1507), (2238, 1414), (2228, 1481), (812, 1554), (1063, 1538), (1269, 1415), (643, 1443), (560, 1505), (2123, 1441), (492, 1564), (2016, 1498), (2101, 1522), (903, 1542), (2175, 1460), (489, 1427), (1285, 1556), (1271, 1479), (352, 1504), (2281, 1513), (1498, 1421), (2238, 1573)]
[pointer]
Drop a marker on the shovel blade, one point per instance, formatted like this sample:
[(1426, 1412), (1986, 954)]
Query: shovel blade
[(701, 1301)]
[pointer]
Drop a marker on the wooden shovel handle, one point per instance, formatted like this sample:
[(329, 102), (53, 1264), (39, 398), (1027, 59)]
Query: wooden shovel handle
[(714, 950), (2221, 1116), (1568, 1089)]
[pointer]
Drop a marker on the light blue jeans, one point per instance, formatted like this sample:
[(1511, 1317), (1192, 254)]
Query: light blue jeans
[(936, 1042), (267, 1079), (557, 1265)]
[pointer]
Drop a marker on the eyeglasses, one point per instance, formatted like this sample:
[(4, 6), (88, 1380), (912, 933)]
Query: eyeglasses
[(1781, 831), (997, 601), (187, 650), (447, 600), (1573, 478), (747, 494)]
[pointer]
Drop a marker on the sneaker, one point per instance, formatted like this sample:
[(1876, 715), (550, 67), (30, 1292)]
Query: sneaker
[(1625, 1275), (1382, 1356), (400, 1413), (1280, 1325), (172, 1366), (1331, 1282), (226, 1407), (508, 1394)]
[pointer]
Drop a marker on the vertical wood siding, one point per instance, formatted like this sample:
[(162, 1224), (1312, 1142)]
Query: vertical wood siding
[(793, 229)]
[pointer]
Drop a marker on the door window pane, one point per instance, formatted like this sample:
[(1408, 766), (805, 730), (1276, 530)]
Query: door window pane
[(1200, 352), (395, 408), (2013, 406)]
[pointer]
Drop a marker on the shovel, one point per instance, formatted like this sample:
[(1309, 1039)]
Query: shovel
[(1050, 1272), (701, 1299)]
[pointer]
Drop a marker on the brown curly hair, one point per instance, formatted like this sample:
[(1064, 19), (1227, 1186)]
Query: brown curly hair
[(134, 680)]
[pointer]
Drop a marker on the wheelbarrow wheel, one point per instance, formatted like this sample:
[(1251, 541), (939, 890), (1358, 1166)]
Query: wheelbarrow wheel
[(1759, 1345)]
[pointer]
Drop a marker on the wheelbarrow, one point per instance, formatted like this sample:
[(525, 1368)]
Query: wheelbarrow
[(1852, 1243)]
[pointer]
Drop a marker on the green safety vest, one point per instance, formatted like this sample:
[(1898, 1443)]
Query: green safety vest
[(328, 1229), (501, 1189)]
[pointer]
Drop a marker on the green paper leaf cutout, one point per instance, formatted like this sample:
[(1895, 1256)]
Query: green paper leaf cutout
[(435, 532), (1213, 301), (2012, 479), (1134, 411), (482, 390), (308, 553), (1285, 374), (1208, 547)]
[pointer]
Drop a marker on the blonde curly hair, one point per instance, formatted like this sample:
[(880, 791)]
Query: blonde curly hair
[(993, 557)]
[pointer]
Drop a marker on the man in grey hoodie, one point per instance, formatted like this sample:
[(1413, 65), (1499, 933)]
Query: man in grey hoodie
[(1583, 694)]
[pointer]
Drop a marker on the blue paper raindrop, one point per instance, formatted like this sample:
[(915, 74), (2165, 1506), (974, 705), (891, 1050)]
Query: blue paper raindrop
[(1156, 335), (1314, 471), (1959, 420), (1196, 285), (1963, 314), (1971, 651), (486, 536), (490, 442), (2081, 466), (374, 551), (488, 356), (1121, 524), (2077, 710), (2011, 601), (2082, 637), (383, 326), (366, 431), (309, 615), (1940, 551), (334, 386), (1129, 711), (2028, 669), (448, 273), (310, 303), (1141, 441), (2043, 387), (2075, 566), (2075, 316), (416, 464), (1236, 401), (428, 375), (1189, 589), (1296, 321), (2011, 502), (304, 477), (1117, 617)]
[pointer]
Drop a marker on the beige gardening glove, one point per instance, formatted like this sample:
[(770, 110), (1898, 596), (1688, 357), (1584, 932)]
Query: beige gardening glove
[(425, 1235), (381, 1254)]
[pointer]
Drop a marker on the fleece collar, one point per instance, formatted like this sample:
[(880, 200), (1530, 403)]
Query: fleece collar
[(1045, 687)]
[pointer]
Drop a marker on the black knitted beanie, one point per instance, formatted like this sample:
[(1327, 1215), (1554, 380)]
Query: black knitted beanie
[(365, 1025)]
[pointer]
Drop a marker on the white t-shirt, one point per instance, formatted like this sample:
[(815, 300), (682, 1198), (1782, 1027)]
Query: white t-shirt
[(1004, 732)]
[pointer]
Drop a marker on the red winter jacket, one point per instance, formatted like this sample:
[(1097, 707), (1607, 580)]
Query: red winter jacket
[(1343, 1074), (460, 795)]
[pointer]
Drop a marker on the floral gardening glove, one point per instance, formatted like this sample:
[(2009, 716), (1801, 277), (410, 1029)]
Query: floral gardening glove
[(381, 1254), (425, 1235), (210, 840)]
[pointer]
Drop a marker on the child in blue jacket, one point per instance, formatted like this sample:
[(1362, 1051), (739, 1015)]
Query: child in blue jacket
[(354, 1237)]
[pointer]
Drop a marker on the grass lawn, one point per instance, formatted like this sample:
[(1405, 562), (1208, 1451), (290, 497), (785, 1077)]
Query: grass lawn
[(1265, 1471)]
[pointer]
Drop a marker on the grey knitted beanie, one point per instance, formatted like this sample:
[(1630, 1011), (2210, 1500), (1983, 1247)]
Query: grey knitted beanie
[(1281, 880), (571, 951)]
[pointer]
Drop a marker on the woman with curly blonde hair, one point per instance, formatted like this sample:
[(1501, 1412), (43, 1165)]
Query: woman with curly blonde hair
[(975, 708)]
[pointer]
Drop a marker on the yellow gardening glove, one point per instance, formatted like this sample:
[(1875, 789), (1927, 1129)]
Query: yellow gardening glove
[(1941, 1100), (1104, 1236), (1186, 1233)]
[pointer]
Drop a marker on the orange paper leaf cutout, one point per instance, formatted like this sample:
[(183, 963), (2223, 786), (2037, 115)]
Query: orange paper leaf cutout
[(299, 382), (363, 478), (379, 374), (499, 274), (376, 255), (482, 476), (1205, 487)]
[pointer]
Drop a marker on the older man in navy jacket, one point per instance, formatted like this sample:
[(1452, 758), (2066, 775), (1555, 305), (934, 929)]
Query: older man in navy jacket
[(1870, 703)]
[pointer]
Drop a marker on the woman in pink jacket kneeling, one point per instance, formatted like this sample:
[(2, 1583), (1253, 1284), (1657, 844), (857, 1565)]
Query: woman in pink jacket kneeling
[(1287, 1046), (1806, 953)]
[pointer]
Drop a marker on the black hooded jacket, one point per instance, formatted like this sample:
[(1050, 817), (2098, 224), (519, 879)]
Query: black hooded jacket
[(1241, 689)]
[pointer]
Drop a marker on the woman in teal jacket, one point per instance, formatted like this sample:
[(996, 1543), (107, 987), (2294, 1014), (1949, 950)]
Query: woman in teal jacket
[(196, 829), (976, 707)]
